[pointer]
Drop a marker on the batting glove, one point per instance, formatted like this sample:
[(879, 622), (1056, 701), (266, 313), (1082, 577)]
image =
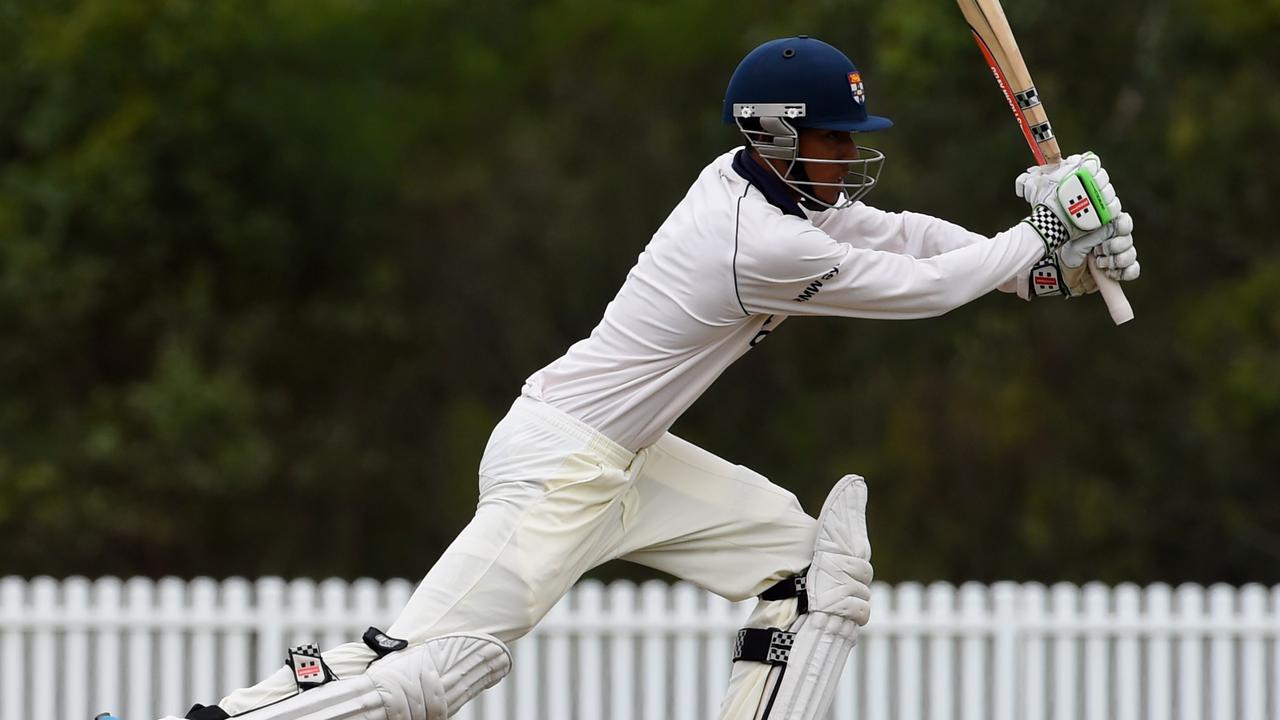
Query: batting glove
[(1065, 273)]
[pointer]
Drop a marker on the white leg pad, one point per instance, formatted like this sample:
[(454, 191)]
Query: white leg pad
[(429, 681), (839, 594)]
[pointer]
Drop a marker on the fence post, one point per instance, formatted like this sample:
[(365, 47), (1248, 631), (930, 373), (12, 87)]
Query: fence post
[(1007, 615), (910, 614), (973, 665), (236, 661), (203, 660), (1097, 661), (44, 605), (1066, 629), (1159, 655), (1035, 600), (689, 631), (1222, 614), (139, 614), (300, 615), (1128, 674), (942, 667), (107, 598), (270, 620), (172, 611), (337, 624), (12, 653), (622, 609), (1190, 652), (1253, 662), (653, 603), (75, 658)]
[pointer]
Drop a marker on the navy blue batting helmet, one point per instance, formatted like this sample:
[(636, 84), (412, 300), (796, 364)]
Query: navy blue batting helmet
[(805, 80)]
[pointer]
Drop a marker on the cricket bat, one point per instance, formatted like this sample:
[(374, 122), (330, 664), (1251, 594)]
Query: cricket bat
[(995, 38)]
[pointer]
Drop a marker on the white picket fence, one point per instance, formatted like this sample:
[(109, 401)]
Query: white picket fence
[(656, 652)]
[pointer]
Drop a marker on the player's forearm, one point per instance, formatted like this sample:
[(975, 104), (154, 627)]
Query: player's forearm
[(905, 233), (928, 236)]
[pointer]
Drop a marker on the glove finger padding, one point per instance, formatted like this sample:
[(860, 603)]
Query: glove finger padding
[(1130, 273), (1117, 244), (1118, 261), (1089, 161), (1117, 256), (1123, 267), (1113, 204), (1122, 225), (1103, 178), (1109, 197), (1020, 185)]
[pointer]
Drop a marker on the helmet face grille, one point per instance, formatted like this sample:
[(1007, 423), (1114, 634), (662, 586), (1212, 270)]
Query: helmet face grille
[(777, 139)]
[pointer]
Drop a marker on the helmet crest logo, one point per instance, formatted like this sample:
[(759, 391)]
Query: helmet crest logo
[(855, 86)]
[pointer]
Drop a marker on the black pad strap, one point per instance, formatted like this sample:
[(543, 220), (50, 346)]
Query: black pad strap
[(764, 645), (382, 643), (792, 587)]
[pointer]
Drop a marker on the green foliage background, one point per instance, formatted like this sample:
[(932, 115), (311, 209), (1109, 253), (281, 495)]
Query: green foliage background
[(271, 270)]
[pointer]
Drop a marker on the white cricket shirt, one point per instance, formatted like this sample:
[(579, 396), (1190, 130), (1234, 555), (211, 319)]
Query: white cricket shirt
[(728, 266)]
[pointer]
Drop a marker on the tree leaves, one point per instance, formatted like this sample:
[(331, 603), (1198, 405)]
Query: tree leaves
[(269, 265)]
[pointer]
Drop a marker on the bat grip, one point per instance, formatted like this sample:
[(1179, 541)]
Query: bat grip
[(1117, 303)]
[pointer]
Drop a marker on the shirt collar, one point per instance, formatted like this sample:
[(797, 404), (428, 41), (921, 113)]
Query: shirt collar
[(769, 184)]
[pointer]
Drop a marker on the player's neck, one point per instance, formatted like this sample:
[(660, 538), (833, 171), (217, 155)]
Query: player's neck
[(769, 167)]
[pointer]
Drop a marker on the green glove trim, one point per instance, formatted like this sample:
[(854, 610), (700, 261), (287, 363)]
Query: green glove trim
[(1095, 195)]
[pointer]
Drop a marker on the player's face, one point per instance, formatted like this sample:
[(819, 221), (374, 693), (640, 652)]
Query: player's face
[(827, 145)]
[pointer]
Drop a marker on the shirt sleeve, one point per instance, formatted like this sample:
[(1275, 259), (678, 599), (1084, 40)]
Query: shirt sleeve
[(906, 233), (795, 268)]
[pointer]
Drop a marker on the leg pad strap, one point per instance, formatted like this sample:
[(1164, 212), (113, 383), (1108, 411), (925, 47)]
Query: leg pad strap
[(765, 645)]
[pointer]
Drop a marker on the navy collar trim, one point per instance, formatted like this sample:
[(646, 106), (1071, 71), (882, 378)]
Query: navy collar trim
[(769, 185)]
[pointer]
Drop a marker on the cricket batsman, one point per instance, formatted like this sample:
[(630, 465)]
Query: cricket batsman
[(582, 470)]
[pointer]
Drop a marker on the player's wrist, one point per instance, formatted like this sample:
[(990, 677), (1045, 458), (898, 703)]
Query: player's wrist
[(1051, 230)]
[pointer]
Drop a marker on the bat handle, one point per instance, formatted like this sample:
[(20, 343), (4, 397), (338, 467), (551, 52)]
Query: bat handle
[(1117, 303)]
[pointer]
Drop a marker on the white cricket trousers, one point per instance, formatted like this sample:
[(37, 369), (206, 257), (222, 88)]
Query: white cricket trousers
[(557, 499)]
